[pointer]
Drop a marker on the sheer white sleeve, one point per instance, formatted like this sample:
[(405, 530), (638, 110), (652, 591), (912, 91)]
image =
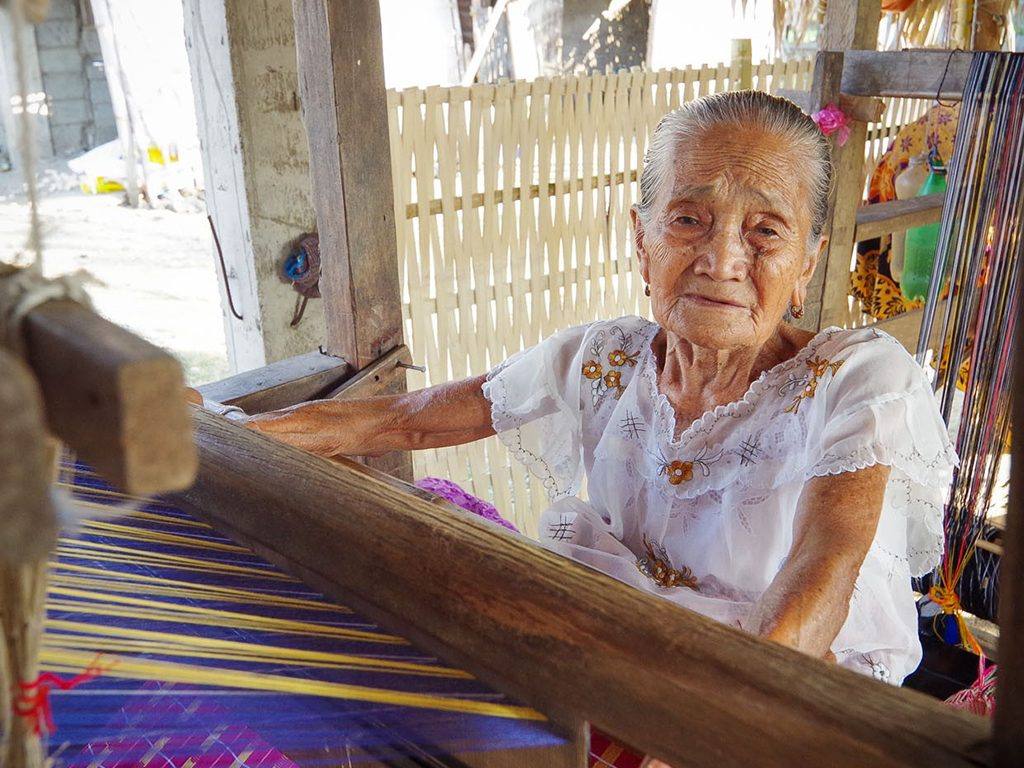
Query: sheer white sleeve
[(536, 409), (879, 409)]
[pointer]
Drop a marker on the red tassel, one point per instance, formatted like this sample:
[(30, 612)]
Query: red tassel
[(34, 701)]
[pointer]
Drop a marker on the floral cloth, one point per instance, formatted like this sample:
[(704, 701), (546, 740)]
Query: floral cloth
[(872, 281), (702, 514)]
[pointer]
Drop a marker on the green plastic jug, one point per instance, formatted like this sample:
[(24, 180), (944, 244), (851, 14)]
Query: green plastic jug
[(919, 252)]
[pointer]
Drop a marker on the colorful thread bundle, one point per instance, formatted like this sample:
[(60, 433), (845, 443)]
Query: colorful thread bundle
[(979, 256)]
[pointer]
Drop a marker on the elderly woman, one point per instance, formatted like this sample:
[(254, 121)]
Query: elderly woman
[(784, 482)]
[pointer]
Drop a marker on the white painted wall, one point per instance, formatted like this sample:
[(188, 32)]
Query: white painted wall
[(422, 42), (694, 32)]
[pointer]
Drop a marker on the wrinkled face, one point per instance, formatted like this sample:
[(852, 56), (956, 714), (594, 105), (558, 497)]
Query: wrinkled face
[(727, 244)]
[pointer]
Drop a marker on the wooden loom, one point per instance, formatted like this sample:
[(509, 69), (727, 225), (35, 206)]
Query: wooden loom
[(576, 645)]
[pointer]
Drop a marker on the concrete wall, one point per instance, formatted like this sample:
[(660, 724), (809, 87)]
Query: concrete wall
[(72, 72), (256, 163), (594, 43)]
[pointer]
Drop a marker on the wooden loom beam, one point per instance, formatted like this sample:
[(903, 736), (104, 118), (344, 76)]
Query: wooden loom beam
[(569, 641), (1009, 733), (116, 399), (344, 106)]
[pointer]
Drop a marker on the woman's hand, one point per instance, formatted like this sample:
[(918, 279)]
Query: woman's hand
[(437, 417)]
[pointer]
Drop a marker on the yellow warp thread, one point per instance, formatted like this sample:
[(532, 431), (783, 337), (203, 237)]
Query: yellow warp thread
[(137, 583), (83, 589), (171, 672), (121, 639), (129, 556), (194, 614), (116, 531)]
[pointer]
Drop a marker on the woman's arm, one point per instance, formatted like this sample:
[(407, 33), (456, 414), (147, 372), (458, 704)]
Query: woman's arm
[(448, 414), (807, 603)]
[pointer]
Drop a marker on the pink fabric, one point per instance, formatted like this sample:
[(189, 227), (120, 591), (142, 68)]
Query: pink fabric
[(446, 489), (831, 120)]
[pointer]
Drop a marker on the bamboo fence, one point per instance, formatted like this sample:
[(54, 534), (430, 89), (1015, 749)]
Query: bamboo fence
[(512, 209)]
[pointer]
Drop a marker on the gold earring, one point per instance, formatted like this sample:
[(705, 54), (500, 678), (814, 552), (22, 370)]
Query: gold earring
[(647, 290), (796, 311)]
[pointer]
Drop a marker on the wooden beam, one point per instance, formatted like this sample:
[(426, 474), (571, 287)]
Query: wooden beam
[(1009, 733), (912, 74), (828, 69), (897, 216), (906, 328), (116, 399), (378, 378), (863, 108), (344, 105), (565, 639), (304, 377), (742, 64), (849, 25)]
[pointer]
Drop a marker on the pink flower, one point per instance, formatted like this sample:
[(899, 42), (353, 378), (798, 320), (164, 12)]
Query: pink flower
[(831, 120)]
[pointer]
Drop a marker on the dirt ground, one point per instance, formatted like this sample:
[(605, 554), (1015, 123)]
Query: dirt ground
[(155, 268)]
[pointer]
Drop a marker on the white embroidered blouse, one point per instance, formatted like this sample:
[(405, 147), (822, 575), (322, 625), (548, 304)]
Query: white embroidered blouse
[(705, 518)]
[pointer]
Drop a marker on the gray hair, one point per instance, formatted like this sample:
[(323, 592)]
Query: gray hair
[(772, 114)]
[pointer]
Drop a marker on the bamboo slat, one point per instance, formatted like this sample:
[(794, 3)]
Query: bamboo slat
[(512, 209)]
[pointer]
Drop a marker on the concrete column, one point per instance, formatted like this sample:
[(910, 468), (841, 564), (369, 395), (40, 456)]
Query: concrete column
[(256, 163), (37, 107)]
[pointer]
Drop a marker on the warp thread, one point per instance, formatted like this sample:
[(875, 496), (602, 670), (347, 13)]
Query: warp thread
[(34, 701)]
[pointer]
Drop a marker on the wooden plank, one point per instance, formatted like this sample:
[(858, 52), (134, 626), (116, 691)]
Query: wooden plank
[(912, 74), (863, 108), (378, 378), (897, 215), (116, 399), (850, 25), (344, 105), (1009, 735), (906, 328), (565, 639), (828, 69), (304, 377), (381, 377), (742, 64)]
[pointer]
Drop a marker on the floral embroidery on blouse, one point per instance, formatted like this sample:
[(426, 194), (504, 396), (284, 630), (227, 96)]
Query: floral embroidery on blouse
[(610, 381), (818, 367), (621, 357), (613, 381), (655, 565), (681, 471)]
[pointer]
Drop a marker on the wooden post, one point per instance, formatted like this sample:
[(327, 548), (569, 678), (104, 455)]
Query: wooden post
[(1009, 718), (569, 641), (742, 65), (344, 105), (849, 25), (341, 79)]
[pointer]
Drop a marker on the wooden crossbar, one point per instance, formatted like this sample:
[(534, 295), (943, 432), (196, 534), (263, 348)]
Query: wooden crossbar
[(913, 74), (571, 642)]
